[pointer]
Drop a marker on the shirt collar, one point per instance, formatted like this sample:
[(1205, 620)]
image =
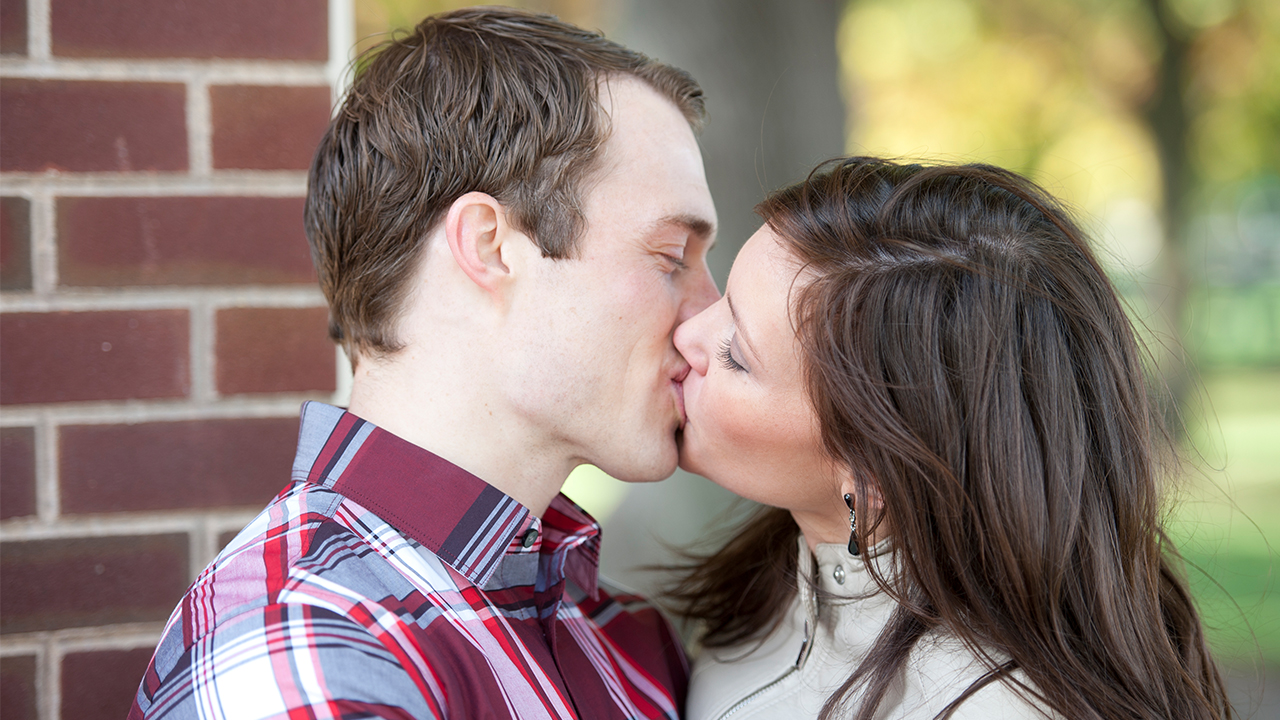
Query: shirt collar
[(464, 520)]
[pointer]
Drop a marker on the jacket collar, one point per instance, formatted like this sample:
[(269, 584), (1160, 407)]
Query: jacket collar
[(466, 522), (823, 562)]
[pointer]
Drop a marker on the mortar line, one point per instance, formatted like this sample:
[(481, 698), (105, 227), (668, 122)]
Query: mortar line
[(39, 29), (48, 502), (203, 360), (199, 127), (265, 183), (44, 243), (342, 38), (298, 296), (52, 672), (151, 523), (345, 378), (132, 412), (239, 72), (197, 549)]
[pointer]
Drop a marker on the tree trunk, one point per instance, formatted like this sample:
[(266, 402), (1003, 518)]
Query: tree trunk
[(770, 72), (1168, 119)]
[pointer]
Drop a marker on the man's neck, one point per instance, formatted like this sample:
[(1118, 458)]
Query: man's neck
[(462, 423)]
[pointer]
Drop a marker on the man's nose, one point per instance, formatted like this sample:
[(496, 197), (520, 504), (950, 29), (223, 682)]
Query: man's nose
[(701, 295)]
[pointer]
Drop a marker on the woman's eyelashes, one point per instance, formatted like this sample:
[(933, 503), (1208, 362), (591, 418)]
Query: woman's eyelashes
[(726, 358)]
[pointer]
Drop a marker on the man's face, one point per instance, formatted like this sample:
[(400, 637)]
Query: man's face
[(599, 371)]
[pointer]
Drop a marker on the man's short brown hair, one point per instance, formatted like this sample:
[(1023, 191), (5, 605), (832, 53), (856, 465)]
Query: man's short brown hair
[(493, 100)]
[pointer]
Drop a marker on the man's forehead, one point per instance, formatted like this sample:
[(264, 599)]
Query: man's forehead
[(637, 117), (649, 180)]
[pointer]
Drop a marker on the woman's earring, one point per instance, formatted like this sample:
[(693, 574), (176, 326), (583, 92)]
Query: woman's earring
[(853, 525)]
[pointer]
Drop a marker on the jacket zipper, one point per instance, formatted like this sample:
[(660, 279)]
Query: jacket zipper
[(760, 691), (765, 688)]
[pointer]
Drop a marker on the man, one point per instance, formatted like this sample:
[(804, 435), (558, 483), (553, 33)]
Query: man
[(509, 217)]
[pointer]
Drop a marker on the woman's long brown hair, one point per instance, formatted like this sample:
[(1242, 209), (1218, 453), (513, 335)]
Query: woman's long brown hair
[(965, 352)]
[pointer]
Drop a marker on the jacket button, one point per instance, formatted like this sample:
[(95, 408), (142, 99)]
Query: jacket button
[(530, 536), (838, 574)]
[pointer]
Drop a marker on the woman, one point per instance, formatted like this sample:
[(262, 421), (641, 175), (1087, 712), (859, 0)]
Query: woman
[(927, 376)]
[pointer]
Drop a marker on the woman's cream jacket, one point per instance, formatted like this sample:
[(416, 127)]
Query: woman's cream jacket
[(819, 644)]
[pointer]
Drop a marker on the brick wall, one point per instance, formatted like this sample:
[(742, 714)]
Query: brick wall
[(159, 322)]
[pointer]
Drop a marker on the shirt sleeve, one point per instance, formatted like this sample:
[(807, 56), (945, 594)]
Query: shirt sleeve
[(281, 662)]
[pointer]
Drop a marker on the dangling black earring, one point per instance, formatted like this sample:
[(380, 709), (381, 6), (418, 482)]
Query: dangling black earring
[(853, 525)]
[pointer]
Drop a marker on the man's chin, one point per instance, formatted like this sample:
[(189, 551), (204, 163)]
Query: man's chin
[(640, 471), (645, 477)]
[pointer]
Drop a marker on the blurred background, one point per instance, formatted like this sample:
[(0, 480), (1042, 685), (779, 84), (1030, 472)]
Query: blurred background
[(160, 323)]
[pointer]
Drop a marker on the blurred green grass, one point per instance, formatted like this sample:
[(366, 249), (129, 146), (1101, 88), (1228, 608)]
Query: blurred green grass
[(1226, 514)]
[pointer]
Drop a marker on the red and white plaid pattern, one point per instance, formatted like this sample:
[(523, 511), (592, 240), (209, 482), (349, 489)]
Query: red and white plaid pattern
[(387, 582)]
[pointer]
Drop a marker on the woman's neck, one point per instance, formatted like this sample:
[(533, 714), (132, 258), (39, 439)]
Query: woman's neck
[(820, 528)]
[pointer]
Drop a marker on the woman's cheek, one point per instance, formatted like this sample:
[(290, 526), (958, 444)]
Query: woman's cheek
[(723, 432)]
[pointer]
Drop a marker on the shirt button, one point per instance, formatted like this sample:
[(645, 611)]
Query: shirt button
[(838, 574), (530, 536)]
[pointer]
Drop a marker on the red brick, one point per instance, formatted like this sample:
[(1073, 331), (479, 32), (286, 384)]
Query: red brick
[(15, 244), (17, 472), (258, 127), (85, 356), (175, 465), (224, 539), (276, 30), (106, 242), (82, 582), (262, 350), (92, 126), (101, 685), (18, 687), (13, 27)]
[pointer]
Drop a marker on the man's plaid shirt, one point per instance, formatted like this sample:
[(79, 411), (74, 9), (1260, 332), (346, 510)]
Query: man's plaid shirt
[(387, 582)]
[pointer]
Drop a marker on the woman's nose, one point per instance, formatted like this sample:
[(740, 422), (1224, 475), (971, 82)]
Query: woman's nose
[(690, 340)]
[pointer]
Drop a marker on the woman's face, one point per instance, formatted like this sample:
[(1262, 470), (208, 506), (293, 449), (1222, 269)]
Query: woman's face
[(749, 424)]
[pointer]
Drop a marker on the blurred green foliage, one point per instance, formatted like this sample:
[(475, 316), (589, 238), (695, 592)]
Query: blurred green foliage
[(1062, 91)]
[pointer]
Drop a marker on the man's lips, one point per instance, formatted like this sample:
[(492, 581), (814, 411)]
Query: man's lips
[(677, 381)]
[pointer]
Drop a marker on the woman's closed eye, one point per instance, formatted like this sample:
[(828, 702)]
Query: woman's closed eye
[(727, 360)]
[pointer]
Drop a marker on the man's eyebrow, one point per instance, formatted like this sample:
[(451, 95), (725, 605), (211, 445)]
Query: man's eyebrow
[(693, 224), (742, 331)]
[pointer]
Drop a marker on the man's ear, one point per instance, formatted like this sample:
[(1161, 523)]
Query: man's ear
[(476, 228)]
